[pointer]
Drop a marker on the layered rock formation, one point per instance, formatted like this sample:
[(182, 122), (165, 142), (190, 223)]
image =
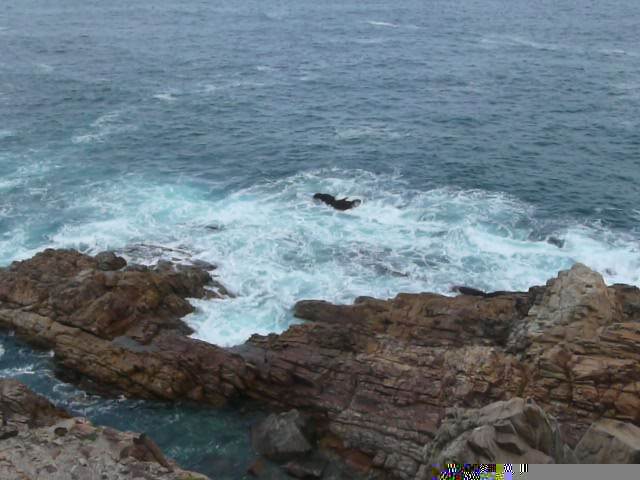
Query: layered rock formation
[(120, 327), (378, 375), (40, 441)]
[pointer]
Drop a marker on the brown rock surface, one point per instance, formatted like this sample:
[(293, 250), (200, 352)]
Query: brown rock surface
[(50, 445), (377, 375), (610, 441)]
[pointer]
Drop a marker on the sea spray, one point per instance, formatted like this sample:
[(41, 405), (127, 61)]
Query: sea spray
[(274, 245)]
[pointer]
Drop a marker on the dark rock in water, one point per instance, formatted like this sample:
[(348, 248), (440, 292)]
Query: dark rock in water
[(468, 291), (204, 265), (266, 470), (109, 261), (610, 441), (342, 204), (558, 242), (281, 436), (306, 468)]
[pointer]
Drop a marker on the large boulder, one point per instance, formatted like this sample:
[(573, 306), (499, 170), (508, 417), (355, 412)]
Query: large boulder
[(610, 441), (282, 436), (513, 431), (575, 303), (109, 261)]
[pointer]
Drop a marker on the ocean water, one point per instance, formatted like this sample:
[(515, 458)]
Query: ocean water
[(473, 131), (211, 441)]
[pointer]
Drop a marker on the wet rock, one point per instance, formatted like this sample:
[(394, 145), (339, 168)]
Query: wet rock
[(201, 264), (341, 204), (555, 241), (109, 261), (281, 436), (468, 291), (266, 470), (306, 468), (610, 441)]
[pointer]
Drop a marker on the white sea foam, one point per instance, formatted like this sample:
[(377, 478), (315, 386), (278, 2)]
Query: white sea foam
[(44, 67), (619, 52), (515, 40), (276, 246), (165, 96), (226, 85), (19, 371), (382, 24), (111, 123)]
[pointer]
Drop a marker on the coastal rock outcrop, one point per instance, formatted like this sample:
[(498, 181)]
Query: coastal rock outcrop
[(121, 328), (513, 431), (48, 443), (378, 376), (610, 441)]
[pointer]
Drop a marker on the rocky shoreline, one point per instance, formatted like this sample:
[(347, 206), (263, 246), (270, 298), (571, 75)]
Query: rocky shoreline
[(40, 441), (392, 386)]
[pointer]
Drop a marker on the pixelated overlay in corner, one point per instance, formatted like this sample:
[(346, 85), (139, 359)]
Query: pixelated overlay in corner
[(471, 471)]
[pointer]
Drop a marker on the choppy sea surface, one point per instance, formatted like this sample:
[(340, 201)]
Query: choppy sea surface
[(473, 131)]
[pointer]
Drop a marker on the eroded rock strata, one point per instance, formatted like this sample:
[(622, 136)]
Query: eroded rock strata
[(40, 441), (378, 375)]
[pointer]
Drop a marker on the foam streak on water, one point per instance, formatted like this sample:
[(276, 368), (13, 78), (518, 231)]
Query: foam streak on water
[(275, 246)]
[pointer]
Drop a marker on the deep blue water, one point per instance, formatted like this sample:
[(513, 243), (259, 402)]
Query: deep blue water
[(473, 131)]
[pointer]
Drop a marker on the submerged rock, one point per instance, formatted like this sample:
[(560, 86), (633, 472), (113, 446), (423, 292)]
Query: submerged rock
[(556, 242), (49, 444)]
